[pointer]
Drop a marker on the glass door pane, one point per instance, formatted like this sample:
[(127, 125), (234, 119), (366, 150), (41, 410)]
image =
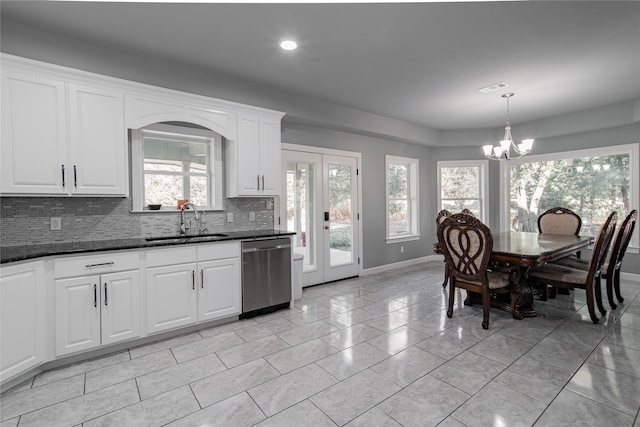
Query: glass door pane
[(340, 215), (301, 207)]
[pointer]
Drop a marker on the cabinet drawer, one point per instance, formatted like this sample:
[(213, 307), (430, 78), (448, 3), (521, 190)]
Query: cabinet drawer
[(172, 256), (218, 251), (96, 264)]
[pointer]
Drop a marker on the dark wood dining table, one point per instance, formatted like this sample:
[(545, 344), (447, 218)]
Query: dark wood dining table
[(526, 250)]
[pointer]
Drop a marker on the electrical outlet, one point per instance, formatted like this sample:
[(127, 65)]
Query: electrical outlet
[(252, 216), (56, 223), (229, 216), (401, 249)]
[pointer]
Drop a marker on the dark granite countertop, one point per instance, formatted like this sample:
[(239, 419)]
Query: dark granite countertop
[(25, 252)]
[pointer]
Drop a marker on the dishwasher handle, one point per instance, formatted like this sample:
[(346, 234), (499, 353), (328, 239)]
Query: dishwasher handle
[(271, 248)]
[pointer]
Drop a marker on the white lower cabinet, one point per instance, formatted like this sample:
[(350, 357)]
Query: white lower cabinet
[(96, 310), (190, 292), (22, 318), (171, 297), (219, 294)]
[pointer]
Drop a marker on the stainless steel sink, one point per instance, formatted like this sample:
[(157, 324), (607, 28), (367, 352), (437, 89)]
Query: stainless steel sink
[(186, 238)]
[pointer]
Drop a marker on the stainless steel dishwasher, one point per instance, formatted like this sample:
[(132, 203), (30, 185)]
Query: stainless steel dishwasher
[(266, 276)]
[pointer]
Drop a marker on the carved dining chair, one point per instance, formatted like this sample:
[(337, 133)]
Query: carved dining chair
[(467, 244), (559, 221), (437, 247), (567, 277), (611, 269), (467, 211)]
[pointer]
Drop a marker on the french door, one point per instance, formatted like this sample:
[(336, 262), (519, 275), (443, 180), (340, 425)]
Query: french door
[(321, 206)]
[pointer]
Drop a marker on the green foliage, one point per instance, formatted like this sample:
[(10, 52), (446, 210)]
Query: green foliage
[(591, 187)]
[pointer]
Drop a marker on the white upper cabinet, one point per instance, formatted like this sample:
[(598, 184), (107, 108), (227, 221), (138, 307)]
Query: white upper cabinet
[(64, 132), (143, 110), (34, 135), (253, 160), (61, 138), (97, 141)]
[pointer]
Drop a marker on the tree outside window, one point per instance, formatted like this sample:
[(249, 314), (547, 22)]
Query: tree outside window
[(402, 197), (461, 185), (590, 186)]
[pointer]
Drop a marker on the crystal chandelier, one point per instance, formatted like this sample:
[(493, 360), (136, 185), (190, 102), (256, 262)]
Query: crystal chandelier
[(503, 151)]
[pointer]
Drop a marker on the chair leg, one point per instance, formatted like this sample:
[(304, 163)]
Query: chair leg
[(598, 293), (452, 296), (616, 284), (485, 309), (446, 277), (590, 305), (612, 304), (545, 293)]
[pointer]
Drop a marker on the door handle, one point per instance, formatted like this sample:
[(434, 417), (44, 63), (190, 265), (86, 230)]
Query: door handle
[(193, 280), (105, 293), (262, 182), (202, 278), (258, 177), (62, 176), (95, 295), (75, 177)]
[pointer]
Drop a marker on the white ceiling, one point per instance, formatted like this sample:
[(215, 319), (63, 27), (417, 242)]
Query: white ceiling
[(418, 62)]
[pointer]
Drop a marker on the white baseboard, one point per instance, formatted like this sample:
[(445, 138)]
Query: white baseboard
[(393, 266)]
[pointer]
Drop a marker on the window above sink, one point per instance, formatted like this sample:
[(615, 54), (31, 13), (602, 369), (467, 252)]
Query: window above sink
[(173, 163)]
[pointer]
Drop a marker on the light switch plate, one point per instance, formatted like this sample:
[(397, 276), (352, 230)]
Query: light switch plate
[(229, 216), (56, 223)]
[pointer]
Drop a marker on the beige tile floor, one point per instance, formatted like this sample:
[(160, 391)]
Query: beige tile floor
[(372, 351)]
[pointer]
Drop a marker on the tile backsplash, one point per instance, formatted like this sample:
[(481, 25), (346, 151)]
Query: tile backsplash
[(26, 220)]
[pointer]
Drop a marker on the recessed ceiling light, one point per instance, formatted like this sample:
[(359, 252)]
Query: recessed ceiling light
[(288, 45)]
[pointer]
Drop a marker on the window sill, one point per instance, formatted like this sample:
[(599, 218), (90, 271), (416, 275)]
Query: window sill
[(407, 238)]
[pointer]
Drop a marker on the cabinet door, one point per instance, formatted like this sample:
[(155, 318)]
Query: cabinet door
[(98, 141), (120, 306), (269, 156), (219, 293), (171, 297), (77, 309), (248, 166), (22, 318), (34, 135)]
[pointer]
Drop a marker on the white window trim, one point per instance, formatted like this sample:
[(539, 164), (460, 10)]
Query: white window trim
[(414, 188), (634, 164), (483, 166), (137, 167)]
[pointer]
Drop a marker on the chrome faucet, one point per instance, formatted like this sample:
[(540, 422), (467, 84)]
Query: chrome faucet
[(183, 227)]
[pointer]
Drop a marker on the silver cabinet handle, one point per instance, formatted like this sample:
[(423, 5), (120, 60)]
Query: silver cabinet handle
[(258, 178), (101, 264), (75, 177), (193, 280), (105, 293), (62, 176), (202, 278), (95, 295), (262, 182)]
